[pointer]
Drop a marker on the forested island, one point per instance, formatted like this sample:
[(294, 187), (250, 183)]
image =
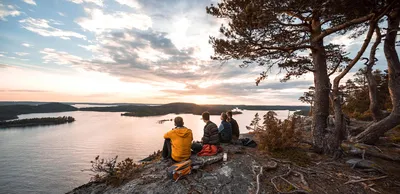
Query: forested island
[(36, 122), (8, 112)]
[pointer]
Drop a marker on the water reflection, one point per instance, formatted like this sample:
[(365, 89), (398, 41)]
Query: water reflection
[(49, 159)]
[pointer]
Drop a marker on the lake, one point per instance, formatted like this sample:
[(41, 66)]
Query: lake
[(49, 159)]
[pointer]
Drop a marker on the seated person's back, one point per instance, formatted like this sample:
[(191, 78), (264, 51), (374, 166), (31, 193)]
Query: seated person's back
[(211, 135), (181, 141), (234, 125), (225, 129)]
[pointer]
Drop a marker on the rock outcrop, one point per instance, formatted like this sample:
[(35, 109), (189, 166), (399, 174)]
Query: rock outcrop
[(213, 176)]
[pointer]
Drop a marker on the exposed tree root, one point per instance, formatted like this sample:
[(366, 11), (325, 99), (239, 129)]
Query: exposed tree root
[(297, 188), (363, 180), (258, 179), (364, 149)]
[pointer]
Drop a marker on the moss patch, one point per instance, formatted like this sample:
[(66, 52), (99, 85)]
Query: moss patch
[(395, 139), (298, 156), (397, 129)]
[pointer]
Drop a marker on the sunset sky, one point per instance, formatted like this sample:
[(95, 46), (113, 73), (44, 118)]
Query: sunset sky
[(133, 51)]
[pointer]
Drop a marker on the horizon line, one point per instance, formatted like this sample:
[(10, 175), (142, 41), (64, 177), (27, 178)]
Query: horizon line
[(116, 103)]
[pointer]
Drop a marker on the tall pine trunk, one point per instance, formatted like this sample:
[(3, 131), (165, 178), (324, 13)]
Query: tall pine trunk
[(372, 85), (321, 96), (373, 132)]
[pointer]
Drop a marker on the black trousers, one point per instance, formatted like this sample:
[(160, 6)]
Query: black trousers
[(167, 151), (196, 147)]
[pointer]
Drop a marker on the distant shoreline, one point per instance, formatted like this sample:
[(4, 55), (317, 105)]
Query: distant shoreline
[(8, 112), (3, 103)]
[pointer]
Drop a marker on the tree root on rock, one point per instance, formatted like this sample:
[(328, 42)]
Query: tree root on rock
[(298, 189), (362, 180), (364, 149)]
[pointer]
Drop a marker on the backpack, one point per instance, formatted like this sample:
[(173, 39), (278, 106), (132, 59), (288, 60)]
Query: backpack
[(180, 169), (248, 142)]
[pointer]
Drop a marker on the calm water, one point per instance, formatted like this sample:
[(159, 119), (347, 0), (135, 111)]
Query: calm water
[(50, 159)]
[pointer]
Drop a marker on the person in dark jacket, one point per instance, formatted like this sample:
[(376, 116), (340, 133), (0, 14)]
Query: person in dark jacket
[(225, 129), (235, 126), (210, 136), (210, 130)]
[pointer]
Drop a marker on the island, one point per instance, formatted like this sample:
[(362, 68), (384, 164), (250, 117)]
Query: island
[(36, 122), (184, 108), (9, 112)]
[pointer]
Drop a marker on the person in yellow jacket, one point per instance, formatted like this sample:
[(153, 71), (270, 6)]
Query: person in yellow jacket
[(178, 142)]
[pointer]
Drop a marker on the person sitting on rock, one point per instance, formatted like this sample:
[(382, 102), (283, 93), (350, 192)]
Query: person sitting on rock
[(210, 130), (235, 126), (210, 141), (178, 142), (210, 135), (225, 129)]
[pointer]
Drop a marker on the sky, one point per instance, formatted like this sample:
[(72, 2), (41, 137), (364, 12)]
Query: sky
[(130, 51)]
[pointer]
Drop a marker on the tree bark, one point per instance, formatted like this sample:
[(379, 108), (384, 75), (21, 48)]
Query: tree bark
[(321, 95), (372, 85), (340, 131), (373, 132)]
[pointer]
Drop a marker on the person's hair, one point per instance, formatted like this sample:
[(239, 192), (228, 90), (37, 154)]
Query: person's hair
[(229, 113), (178, 121), (205, 116), (224, 116)]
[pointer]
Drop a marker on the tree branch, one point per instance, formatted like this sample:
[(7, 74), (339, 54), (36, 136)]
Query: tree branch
[(343, 26), (355, 21), (367, 40), (285, 49), (336, 67), (292, 25), (374, 47), (298, 16), (308, 69)]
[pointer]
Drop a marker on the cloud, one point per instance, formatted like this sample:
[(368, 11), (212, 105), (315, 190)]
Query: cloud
[(2, 54), (149, 51), (185, 22), (4, 65), (141, 55), (43, 28), (129, 44), (227, 87), (31, 2), (56, 22), (21, 54), (61, 14), (61, 58), (130, 3), (162, 44), (28, 91), (96, 2), (9, 10), (97, 21), (26, 45)]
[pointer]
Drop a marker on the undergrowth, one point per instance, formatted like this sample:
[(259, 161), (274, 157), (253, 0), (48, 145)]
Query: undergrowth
[(296, 155), (275, 134), (113, 173)]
